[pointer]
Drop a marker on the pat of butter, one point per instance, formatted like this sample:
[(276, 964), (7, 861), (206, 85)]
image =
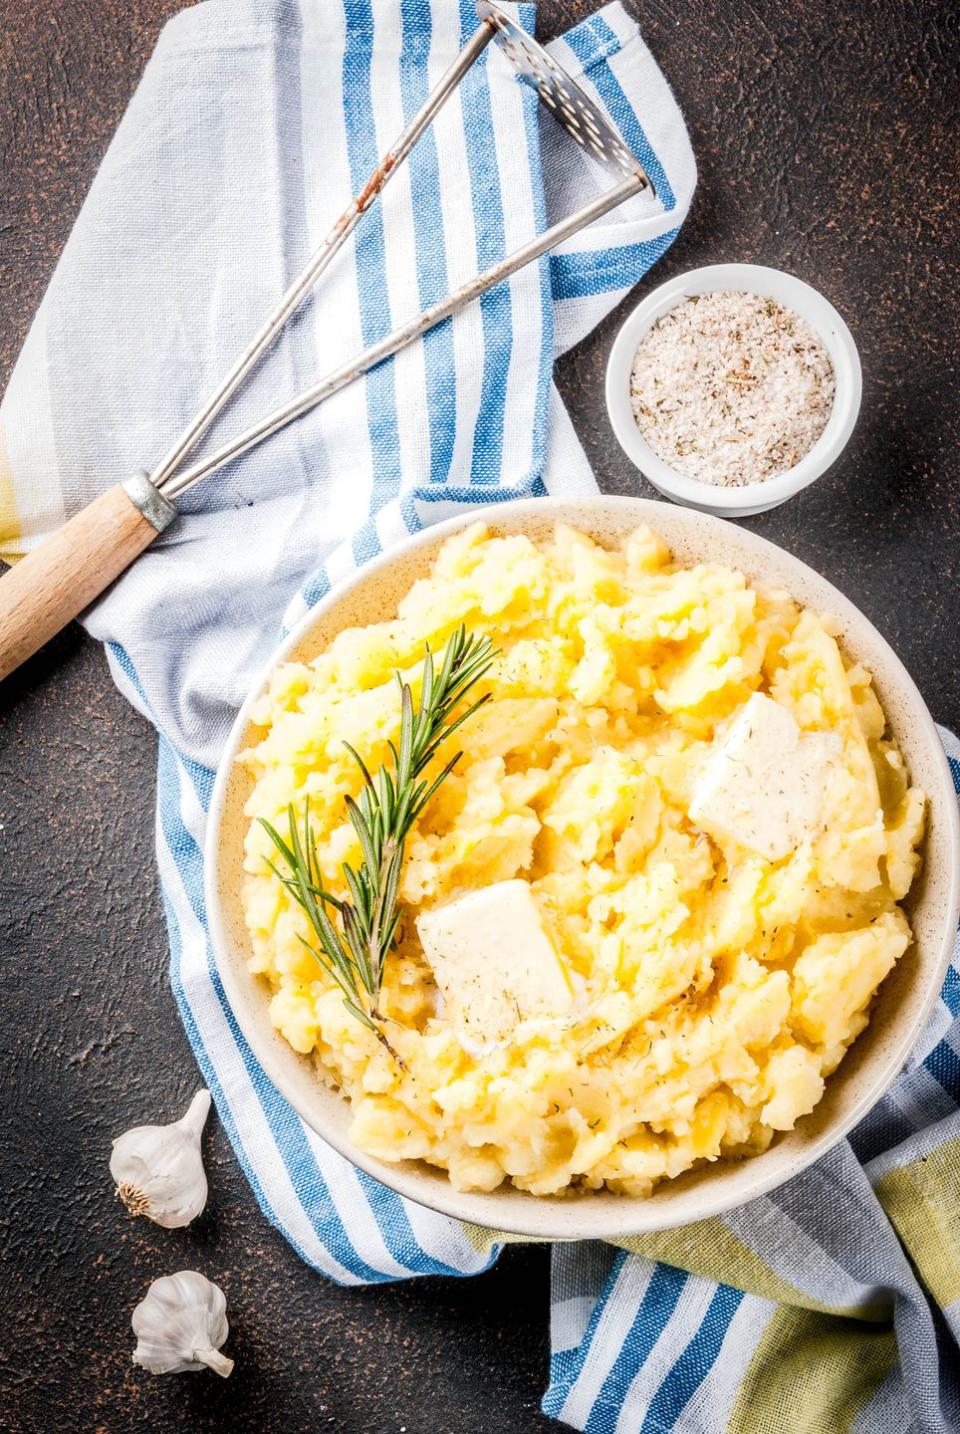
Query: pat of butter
[(492, 960), (763, 786)]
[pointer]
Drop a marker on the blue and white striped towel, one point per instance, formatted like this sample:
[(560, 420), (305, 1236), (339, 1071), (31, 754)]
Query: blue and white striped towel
[(255, 120)]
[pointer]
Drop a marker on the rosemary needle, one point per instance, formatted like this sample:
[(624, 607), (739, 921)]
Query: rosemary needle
[(354, 935)]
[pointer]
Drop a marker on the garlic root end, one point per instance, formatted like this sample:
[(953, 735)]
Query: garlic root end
[(214, 1360), (135, 1200)]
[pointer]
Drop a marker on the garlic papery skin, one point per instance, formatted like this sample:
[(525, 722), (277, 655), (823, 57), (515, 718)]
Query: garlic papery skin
[(180, 1324), (159, 1169)]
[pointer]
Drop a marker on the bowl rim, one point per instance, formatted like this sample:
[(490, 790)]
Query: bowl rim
[(792, 292), (552, 1218)]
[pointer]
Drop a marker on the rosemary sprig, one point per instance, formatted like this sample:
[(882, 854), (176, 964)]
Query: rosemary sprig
[(352, 944)]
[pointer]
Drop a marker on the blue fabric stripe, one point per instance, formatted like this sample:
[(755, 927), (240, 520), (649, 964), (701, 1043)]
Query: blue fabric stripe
[(496, 305), (884, 1127), (478, 497), (579, 276), (317, 587), (590, 43), (564, 1367), (371, 263), (409, 513), (694, 1364), (658, 1304), (432, 276), (951, 991), (397, 1232), (122, 658), (943, 1063), (366, 544), (582, 41), (555, 1397)]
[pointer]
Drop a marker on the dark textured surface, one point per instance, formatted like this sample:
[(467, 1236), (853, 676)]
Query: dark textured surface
[(826, 137)]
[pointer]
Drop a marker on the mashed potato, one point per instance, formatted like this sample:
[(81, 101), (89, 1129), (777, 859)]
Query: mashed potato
[(715, 990)]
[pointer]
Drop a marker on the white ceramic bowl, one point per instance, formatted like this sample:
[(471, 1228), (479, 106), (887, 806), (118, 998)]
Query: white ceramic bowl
[(794, 294), (901, 1008)]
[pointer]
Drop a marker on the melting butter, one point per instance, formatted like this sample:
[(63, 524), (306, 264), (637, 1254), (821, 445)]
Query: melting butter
[(764, 785), (493, 962)]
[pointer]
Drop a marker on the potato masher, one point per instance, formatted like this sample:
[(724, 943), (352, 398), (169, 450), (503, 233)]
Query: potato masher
[(65, 573)]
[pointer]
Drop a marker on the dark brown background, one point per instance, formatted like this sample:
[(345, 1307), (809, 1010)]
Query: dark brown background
[(826, 136)]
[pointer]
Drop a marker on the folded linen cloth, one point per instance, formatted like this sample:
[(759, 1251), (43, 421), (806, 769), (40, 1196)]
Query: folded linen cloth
[(255, 120)]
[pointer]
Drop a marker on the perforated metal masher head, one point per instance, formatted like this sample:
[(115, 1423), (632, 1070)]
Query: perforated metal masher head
[(569, 104)]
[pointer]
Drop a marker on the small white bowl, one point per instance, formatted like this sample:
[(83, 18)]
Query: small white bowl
[(794, 294)]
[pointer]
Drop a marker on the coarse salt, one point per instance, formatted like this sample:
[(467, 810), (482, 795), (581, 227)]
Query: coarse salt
[(731, 388)]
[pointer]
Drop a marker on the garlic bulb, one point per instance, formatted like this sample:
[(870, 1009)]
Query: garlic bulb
[(159, 1170), (180, 1324)]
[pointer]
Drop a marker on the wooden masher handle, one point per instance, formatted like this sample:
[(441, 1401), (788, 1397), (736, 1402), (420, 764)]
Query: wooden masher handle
[(55, 582)]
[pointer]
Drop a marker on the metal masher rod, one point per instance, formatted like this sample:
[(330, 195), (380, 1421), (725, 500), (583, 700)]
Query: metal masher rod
[(161, 477), (404, 335)]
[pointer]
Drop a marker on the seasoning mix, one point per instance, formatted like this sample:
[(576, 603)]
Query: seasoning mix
[(731, 388)]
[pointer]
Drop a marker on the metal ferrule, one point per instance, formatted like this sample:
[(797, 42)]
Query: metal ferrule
[(151, 503)]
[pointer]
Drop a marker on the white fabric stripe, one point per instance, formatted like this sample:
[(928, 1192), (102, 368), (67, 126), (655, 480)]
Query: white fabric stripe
[(915, 1147), (675, 1336), (400, 279), (519, 225), (353, 1208), (765, 1227), (612, 1328), (566, 474), (711, 1405), (459, 236), (638, 74), (950, 741), (569, 1320), (390, 526), (296, 611), (920, 1098), (192, 814), (334, 312), (443, 1239), (578, 1276), (939, 1024), (275, 268), (341, 564)]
